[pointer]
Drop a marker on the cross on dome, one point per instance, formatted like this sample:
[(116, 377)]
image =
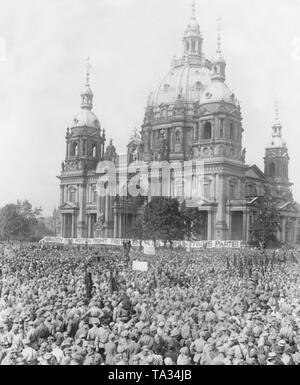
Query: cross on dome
[(87, 93), (219, 35), (88, 67), (193, 10), (276, 110)]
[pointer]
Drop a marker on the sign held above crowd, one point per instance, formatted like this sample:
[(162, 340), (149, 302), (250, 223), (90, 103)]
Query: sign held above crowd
[(140, 266)]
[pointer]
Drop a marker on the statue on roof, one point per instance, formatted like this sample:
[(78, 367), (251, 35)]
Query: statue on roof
[(243, 157), (110, 153), (135, 136)]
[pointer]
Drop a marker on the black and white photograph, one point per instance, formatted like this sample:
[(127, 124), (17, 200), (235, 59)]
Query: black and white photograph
[(150, 185)]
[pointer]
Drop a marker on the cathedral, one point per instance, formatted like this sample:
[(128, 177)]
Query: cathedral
[(192, 115)]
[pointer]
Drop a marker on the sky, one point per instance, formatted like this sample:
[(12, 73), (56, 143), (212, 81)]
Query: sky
[(43, 49)]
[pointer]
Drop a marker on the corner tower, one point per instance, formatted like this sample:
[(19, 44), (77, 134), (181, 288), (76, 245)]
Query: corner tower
[(277, 159), (85, 143)]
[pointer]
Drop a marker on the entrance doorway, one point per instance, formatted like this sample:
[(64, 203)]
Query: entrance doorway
[(237, 226), (202, 223), (68, 226), (93, 225)]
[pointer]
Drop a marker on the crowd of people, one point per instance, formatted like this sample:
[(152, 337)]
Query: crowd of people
[(205, 307)]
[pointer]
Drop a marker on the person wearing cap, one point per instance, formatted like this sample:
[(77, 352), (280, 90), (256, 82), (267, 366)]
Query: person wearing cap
[(184, 357), (159, 345), (93, 331), (102, 338), (196, 348), (92, 357), (32, 333), (143, 355), (132, 346), (82, 330), (57, 352), (209, 352), (10, 358), (271, 360), (29, 354), (110, 349)]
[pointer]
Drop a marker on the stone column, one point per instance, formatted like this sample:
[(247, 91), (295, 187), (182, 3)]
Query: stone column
[(88, 232), (283, 230), (278, 234), (77, 193), (73, 225), (63, 225), (293, 231), (123, 226), (221, 225), (209, 225), (107, 201), (120, 226), (115, 224), (246, 219), (66, 193), (61, 195)]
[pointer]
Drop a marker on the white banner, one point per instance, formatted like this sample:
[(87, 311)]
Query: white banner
[(188, 247), (139, 266), (149, 247), (55, 240)]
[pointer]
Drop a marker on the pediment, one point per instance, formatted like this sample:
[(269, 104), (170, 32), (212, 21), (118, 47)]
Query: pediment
[(289, 207), (255, 173), (68, 206)]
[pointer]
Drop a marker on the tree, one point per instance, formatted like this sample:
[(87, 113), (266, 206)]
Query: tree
[(163, 220), (30, 219), (20, 221), (10, 222), (193, 220), (266, 219), (137, 231)]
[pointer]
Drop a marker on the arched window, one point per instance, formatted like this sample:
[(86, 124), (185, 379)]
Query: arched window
[(272, 170), (284, 170), (249, 190), (84, 147), (197, 131), (94, 194), (221, 128), (178, 136), (94, 151), (74, 149), (207, 131), (232, 132), (72, 195), (193, 46), (232, 191)]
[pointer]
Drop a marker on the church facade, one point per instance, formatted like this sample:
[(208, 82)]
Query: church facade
[(192, 115)]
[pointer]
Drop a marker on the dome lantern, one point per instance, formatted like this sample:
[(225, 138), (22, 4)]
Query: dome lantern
[(192, 39), (219, 64), (87, 93), (277, 140)]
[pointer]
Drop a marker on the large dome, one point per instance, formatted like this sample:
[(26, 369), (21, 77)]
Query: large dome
[(187, 80), (217, 92), (86, 118)]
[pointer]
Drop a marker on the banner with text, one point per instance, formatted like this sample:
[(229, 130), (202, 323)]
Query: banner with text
[(149, 248)]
